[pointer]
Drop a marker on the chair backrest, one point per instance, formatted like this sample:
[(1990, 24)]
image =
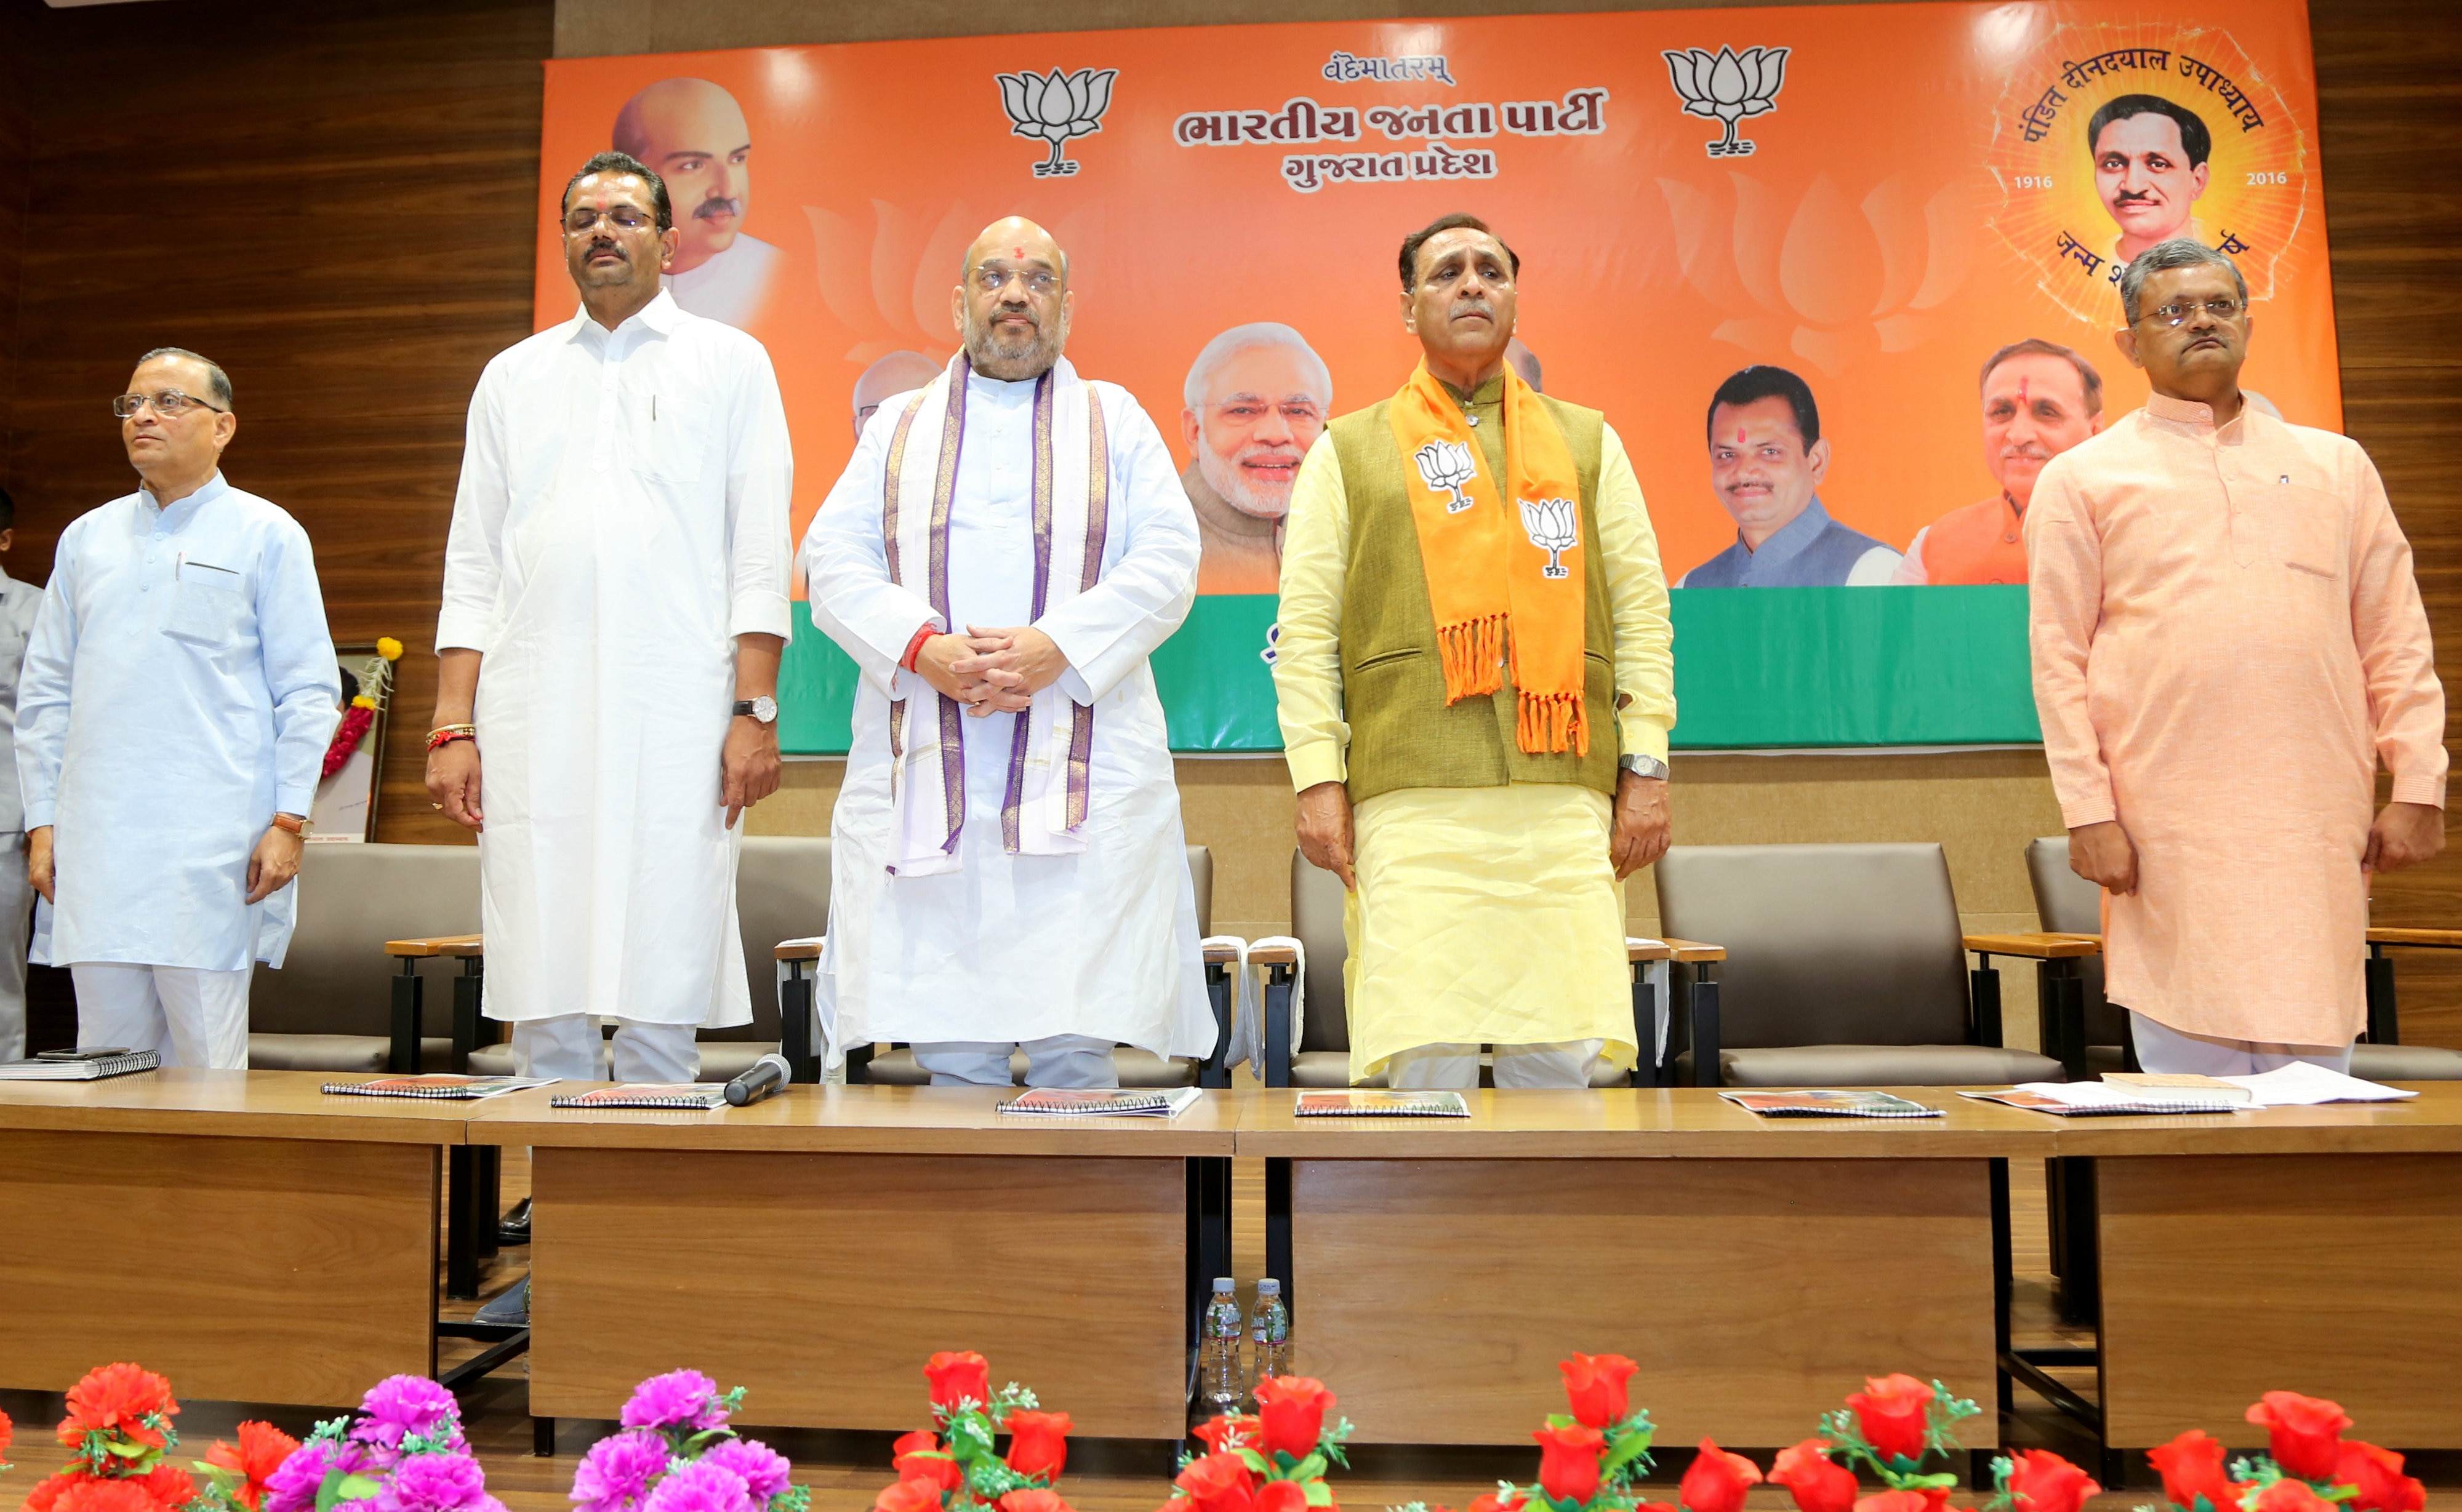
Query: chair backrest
[(1200, 873), (353, 897), (2068, 904), (1827, 944), (1316, 921), (781, 892)]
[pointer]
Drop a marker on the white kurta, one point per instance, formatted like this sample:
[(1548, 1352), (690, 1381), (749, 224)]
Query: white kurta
[(622, 517), (1013, 948), (179, 691), (730, 287)]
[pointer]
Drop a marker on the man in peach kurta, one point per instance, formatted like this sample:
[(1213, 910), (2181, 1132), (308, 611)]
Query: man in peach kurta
[(2226, 640)]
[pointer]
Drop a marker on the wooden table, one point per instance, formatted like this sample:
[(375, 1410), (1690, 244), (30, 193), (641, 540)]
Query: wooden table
[(2308, 1249), (239, 1232), (818, 1247), (1758, 1269)]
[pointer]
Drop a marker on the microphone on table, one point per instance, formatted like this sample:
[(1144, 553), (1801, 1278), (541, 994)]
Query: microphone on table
[(767, 1076)]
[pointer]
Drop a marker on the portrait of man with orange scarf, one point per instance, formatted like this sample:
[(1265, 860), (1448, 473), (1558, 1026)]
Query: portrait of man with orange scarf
[(1476, 680)]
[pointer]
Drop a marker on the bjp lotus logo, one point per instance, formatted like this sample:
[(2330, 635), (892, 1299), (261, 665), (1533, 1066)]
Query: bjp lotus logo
[(1554, 526), (1056, 107), (1444, 466), (1730, 87)]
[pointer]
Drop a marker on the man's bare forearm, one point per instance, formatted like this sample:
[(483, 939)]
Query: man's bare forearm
[(756, 664), (457, 685)]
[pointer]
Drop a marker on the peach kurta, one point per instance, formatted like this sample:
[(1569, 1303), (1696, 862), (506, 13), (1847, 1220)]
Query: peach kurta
[(2227, 638)]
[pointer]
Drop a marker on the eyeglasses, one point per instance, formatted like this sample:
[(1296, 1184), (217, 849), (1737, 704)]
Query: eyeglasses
[(623, 217), (1247, 413), (2176, 314), (170, 404), (1039, 282)]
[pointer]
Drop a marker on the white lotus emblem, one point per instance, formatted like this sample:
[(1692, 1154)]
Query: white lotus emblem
[(1554, 526), (1730, 87), (1445, 465), (1055, 107)]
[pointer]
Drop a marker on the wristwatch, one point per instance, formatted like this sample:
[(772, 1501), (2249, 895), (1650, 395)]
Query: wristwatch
[(302, 827), (1641, 765), (763, 709)]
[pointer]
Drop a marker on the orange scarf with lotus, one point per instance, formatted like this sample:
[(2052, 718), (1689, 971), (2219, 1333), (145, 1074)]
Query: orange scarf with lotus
[(1503, 564)]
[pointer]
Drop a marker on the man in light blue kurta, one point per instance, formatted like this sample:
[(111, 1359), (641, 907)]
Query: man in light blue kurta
[(178, 695)]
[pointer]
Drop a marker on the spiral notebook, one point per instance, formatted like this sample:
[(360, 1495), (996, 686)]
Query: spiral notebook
[(446, 1086), (2099, 1100), (1370, 1102), (1811, 1102), (1103, 1103), (647, 1095), (85, 1069)]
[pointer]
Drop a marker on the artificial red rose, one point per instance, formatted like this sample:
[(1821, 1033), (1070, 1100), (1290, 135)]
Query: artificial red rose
[(2191, 1466), (1228, 1431), (1033, 1499), (169, 1485), (8, 1433), (2292, 1496), (2305, 1433), (2378, 1475), (1568, 1461), (2042, 1481), (1490, 1502), (115, 1399), (1281, 1496), (1898, 1502), (1716, 1480), (1658, 1506), (260, 1451), (959, 1376), (918, 1457), (1818, 1483), (109, 1496), (1894, 1412), (1291, 1414), (1218, 1483), (48, 1491), (1037, 1443), (1595, 1385), (909, 1496)]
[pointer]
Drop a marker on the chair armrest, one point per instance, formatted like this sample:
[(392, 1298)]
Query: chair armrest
[(1220, 995), (1280, 1036), (427, 946), (1642, 953), (2035, 947), (1694, 953), (2428, 939), (799, 949)]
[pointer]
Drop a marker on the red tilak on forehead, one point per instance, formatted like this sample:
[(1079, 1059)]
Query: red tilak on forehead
[(2022, 390), (1740, 435), (1018, 252)]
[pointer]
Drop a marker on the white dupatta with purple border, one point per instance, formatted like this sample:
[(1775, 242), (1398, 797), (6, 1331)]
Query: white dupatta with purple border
[(1044, 806)]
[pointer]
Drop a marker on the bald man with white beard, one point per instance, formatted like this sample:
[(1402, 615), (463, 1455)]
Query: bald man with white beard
[(1256, 399), (694, 134)]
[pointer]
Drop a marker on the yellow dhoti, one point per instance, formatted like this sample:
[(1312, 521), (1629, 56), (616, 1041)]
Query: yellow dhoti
[(1486, 916)]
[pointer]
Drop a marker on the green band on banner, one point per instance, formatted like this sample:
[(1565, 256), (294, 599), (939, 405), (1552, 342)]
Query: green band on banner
[(1755, 667)]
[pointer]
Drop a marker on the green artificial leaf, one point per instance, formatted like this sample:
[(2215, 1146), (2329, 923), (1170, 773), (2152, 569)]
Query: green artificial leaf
[(1942, 1479), (970, 1436), (1254, 1460), (732, 1402), (794, 1499), (692, 1446), (1318, 1494), (1632, 1452), (1312, 1468), (1560, 1419)]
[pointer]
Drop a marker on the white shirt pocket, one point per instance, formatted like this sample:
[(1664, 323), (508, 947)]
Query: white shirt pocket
[(207, 608), (670, 438)]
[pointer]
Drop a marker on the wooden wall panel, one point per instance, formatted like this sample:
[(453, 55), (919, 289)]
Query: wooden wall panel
[(335, 203), (14, 132)]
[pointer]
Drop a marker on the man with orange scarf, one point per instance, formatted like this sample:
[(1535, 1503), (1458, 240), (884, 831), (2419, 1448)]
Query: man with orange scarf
[(1476, 678)]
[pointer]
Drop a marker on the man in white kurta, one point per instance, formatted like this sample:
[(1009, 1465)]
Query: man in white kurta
[(614, 583), (19, 602), (176, 697), (1009, 864)]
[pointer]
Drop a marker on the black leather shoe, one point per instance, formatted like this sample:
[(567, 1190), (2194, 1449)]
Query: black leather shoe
[(515, 1227)]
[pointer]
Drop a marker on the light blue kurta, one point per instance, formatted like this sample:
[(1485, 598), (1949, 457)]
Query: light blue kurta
[(179, 691)]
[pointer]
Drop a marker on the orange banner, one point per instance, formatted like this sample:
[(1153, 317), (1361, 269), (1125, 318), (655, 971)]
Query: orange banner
[(1872, 198)]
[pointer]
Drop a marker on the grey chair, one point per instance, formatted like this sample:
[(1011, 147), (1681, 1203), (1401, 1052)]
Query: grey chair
[(781, 892), (330, 1007), (895, 1066), (1321, 1057), (2070, 903), (1846, 968)]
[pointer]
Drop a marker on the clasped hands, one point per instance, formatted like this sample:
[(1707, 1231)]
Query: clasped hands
[(992, 670)]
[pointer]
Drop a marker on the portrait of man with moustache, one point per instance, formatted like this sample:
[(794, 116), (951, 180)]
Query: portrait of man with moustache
[(1256, 401), (694, 134)]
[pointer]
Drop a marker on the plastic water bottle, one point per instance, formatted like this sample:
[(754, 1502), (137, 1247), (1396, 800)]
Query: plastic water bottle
[(1269, 1333), (1220, 1378)]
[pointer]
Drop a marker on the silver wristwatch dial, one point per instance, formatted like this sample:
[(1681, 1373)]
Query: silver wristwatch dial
[(1641, 765)]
